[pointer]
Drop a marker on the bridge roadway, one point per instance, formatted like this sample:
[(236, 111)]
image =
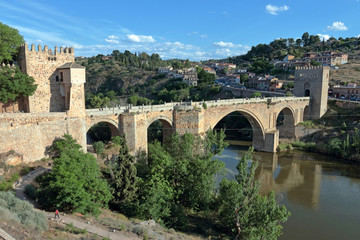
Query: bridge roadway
[(197, 117)]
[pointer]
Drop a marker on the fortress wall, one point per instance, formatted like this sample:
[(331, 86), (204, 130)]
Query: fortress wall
[(32, 134), (41, 64)]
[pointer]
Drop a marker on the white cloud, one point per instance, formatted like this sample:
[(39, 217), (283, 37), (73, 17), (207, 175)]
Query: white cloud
[(203, 35), (112, 39), (140, 38), (324, 37), (274, 10), (359, 34), (226, 49), (337, 26), (229, 45)]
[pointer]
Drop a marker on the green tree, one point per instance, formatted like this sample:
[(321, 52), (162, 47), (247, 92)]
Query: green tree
[(243, 211), (123, 174), (206, 78), (10, 41), (255, 95), (314, 63), (14, 84), (305, 39), (75, 182), (188, 165)]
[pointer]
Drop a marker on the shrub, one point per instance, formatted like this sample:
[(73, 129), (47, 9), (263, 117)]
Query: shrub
[(26, 170), (140, 230), (99, 147), (21, 212), (6, 185), (204, 105), (119, 141), (75, 183)]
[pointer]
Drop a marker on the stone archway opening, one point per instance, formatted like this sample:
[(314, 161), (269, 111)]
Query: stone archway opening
[(101, 131), (307, 93), (285, 124), (241, 129), (159, 130), (306, 115)]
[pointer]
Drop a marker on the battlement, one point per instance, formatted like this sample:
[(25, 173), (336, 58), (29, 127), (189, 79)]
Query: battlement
[(308, 68), (46, 50)]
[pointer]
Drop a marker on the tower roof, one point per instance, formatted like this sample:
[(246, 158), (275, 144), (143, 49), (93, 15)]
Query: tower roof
[(70, 65)]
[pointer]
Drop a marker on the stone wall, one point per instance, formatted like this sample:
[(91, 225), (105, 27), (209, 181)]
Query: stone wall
[(346, 104), (42, 65), (246, 93), (32, 134)]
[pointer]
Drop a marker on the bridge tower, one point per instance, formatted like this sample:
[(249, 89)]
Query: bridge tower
[(313, 82), (60, 81)]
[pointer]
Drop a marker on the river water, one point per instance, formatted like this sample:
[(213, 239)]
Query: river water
[(322, 194)]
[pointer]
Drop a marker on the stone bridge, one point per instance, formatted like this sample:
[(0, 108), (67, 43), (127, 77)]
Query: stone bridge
[(197, 117)]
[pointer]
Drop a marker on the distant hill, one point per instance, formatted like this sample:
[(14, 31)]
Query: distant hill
[(279, 48), (120, 71)]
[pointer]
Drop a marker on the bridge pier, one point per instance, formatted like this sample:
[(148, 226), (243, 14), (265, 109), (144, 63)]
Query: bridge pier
[(271, 141)]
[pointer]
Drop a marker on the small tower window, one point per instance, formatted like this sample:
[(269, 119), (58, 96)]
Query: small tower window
[(61, 76)]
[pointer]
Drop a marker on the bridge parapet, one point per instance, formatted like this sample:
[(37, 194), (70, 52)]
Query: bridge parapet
[(188, 105)]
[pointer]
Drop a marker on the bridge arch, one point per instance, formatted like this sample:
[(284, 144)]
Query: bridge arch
[(106, 128), (285, 122), (258, 139), (166, 130), (306, 113)]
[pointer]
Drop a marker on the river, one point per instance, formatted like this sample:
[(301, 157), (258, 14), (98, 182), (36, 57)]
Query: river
[(322, 194)]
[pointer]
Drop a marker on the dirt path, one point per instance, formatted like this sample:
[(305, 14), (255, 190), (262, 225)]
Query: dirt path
[(105, 232)]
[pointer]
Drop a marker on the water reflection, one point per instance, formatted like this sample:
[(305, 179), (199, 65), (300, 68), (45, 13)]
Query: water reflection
[(321, 193)]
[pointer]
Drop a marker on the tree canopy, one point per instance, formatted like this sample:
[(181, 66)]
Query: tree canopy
[(75, 182), (10, 41), (244, 211), (14, 84)]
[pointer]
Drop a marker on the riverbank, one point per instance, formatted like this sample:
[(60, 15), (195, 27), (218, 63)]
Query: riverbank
[(337, 134)]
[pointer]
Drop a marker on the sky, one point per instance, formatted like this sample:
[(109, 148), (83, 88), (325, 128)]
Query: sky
[(186, 29)]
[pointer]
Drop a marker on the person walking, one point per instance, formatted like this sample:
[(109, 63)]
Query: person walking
[(57, 214)]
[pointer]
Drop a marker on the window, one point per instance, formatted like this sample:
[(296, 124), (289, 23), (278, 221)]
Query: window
[(61, 77)]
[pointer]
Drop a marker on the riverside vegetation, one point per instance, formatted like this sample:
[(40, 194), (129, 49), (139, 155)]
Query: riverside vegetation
[(174, 185), (338, 134)]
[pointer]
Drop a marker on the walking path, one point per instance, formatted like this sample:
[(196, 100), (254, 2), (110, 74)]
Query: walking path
[(19, 187)]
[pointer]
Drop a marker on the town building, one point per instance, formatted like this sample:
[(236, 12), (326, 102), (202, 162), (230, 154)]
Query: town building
[(351, 91), (165, 70)]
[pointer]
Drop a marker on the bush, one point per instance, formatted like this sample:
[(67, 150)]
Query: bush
[(6, 185), (118, 141), (75, 183), (204, 105), (21, 212), (99, 147), (140, 230)]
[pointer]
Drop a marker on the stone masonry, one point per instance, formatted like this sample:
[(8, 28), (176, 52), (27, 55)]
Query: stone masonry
[(58, 108)]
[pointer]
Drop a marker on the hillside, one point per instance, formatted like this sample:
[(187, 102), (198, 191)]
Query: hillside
[(349, 72)]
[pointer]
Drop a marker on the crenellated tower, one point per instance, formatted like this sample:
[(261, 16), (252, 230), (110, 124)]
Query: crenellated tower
[(313, 81), (60, 81)]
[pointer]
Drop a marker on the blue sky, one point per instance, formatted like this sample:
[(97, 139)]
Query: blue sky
[(194, 29)]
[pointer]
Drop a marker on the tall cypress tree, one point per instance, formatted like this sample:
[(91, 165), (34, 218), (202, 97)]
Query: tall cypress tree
[(123, 174)]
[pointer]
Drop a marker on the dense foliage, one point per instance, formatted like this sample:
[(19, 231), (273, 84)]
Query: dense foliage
[(21, 212), (279, 48), (14, 84), (244, 211), (10, 41), (75, 182), (123, 173)]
